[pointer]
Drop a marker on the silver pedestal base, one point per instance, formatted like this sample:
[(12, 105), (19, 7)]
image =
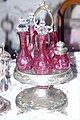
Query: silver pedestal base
[(57, 77), (41, 98)]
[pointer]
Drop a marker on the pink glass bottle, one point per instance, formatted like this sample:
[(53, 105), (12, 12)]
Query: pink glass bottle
[(32, 48), (42, 64), (24, 60), (60, 60), (53, 40)]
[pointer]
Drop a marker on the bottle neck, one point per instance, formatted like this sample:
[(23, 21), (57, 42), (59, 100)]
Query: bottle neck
[(42, 43), (31, 35), (22, 38)]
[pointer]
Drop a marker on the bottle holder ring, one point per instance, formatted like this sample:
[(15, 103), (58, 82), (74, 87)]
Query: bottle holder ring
[(42, 6)]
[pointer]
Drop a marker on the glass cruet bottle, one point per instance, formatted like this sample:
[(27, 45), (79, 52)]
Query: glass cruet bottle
[(24, 60), (32, 47), (53, 40), (42, 65), (60, 60)]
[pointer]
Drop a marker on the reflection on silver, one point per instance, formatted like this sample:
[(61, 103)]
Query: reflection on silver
[(57, 77), (5, 105), (36, 98), (5, 60)]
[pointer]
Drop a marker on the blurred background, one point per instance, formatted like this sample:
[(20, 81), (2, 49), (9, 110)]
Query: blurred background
[(12, 10)]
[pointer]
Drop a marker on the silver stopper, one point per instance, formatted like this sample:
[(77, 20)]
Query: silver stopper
[(42, 28), (30, 21), (60, 48), (22, 26)]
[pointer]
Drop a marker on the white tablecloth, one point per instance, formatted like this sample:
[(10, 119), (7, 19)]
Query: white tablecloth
[(71, 89)]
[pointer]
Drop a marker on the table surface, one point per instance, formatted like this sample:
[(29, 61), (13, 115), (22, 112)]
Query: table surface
[(71, 89)]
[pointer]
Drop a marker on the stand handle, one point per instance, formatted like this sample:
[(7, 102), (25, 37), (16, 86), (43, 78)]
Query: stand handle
[(43, 7)]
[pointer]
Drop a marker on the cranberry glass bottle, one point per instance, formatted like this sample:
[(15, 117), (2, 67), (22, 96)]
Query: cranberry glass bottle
[(42, 64), (53, 40), (60, 60), (24, 60), (32, 48)]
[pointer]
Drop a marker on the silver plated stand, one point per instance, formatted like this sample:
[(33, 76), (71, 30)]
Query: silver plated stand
[(43, 95), (36, 98)]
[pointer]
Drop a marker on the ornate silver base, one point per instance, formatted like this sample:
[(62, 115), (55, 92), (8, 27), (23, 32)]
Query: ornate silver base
[(45, 97), (5, 105), (57, 77)]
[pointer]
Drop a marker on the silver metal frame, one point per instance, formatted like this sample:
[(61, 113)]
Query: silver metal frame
[(57, 77)]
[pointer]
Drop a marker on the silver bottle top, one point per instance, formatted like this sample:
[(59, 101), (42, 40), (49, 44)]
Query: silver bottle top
[(30, 21), (44, 7), (60, 48), (22, 26), (42, 28)]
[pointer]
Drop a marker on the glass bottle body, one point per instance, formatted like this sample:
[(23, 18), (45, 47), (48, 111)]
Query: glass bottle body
[(24, 60), (33, 50), (42, 64), (60, 62), (52, 45)]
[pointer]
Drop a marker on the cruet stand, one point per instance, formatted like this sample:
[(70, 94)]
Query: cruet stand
[(55, 78), (43, 95)]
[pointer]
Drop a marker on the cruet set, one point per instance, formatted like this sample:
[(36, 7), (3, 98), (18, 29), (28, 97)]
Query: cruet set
[(34, 53), (42, 62), (55, 56)]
